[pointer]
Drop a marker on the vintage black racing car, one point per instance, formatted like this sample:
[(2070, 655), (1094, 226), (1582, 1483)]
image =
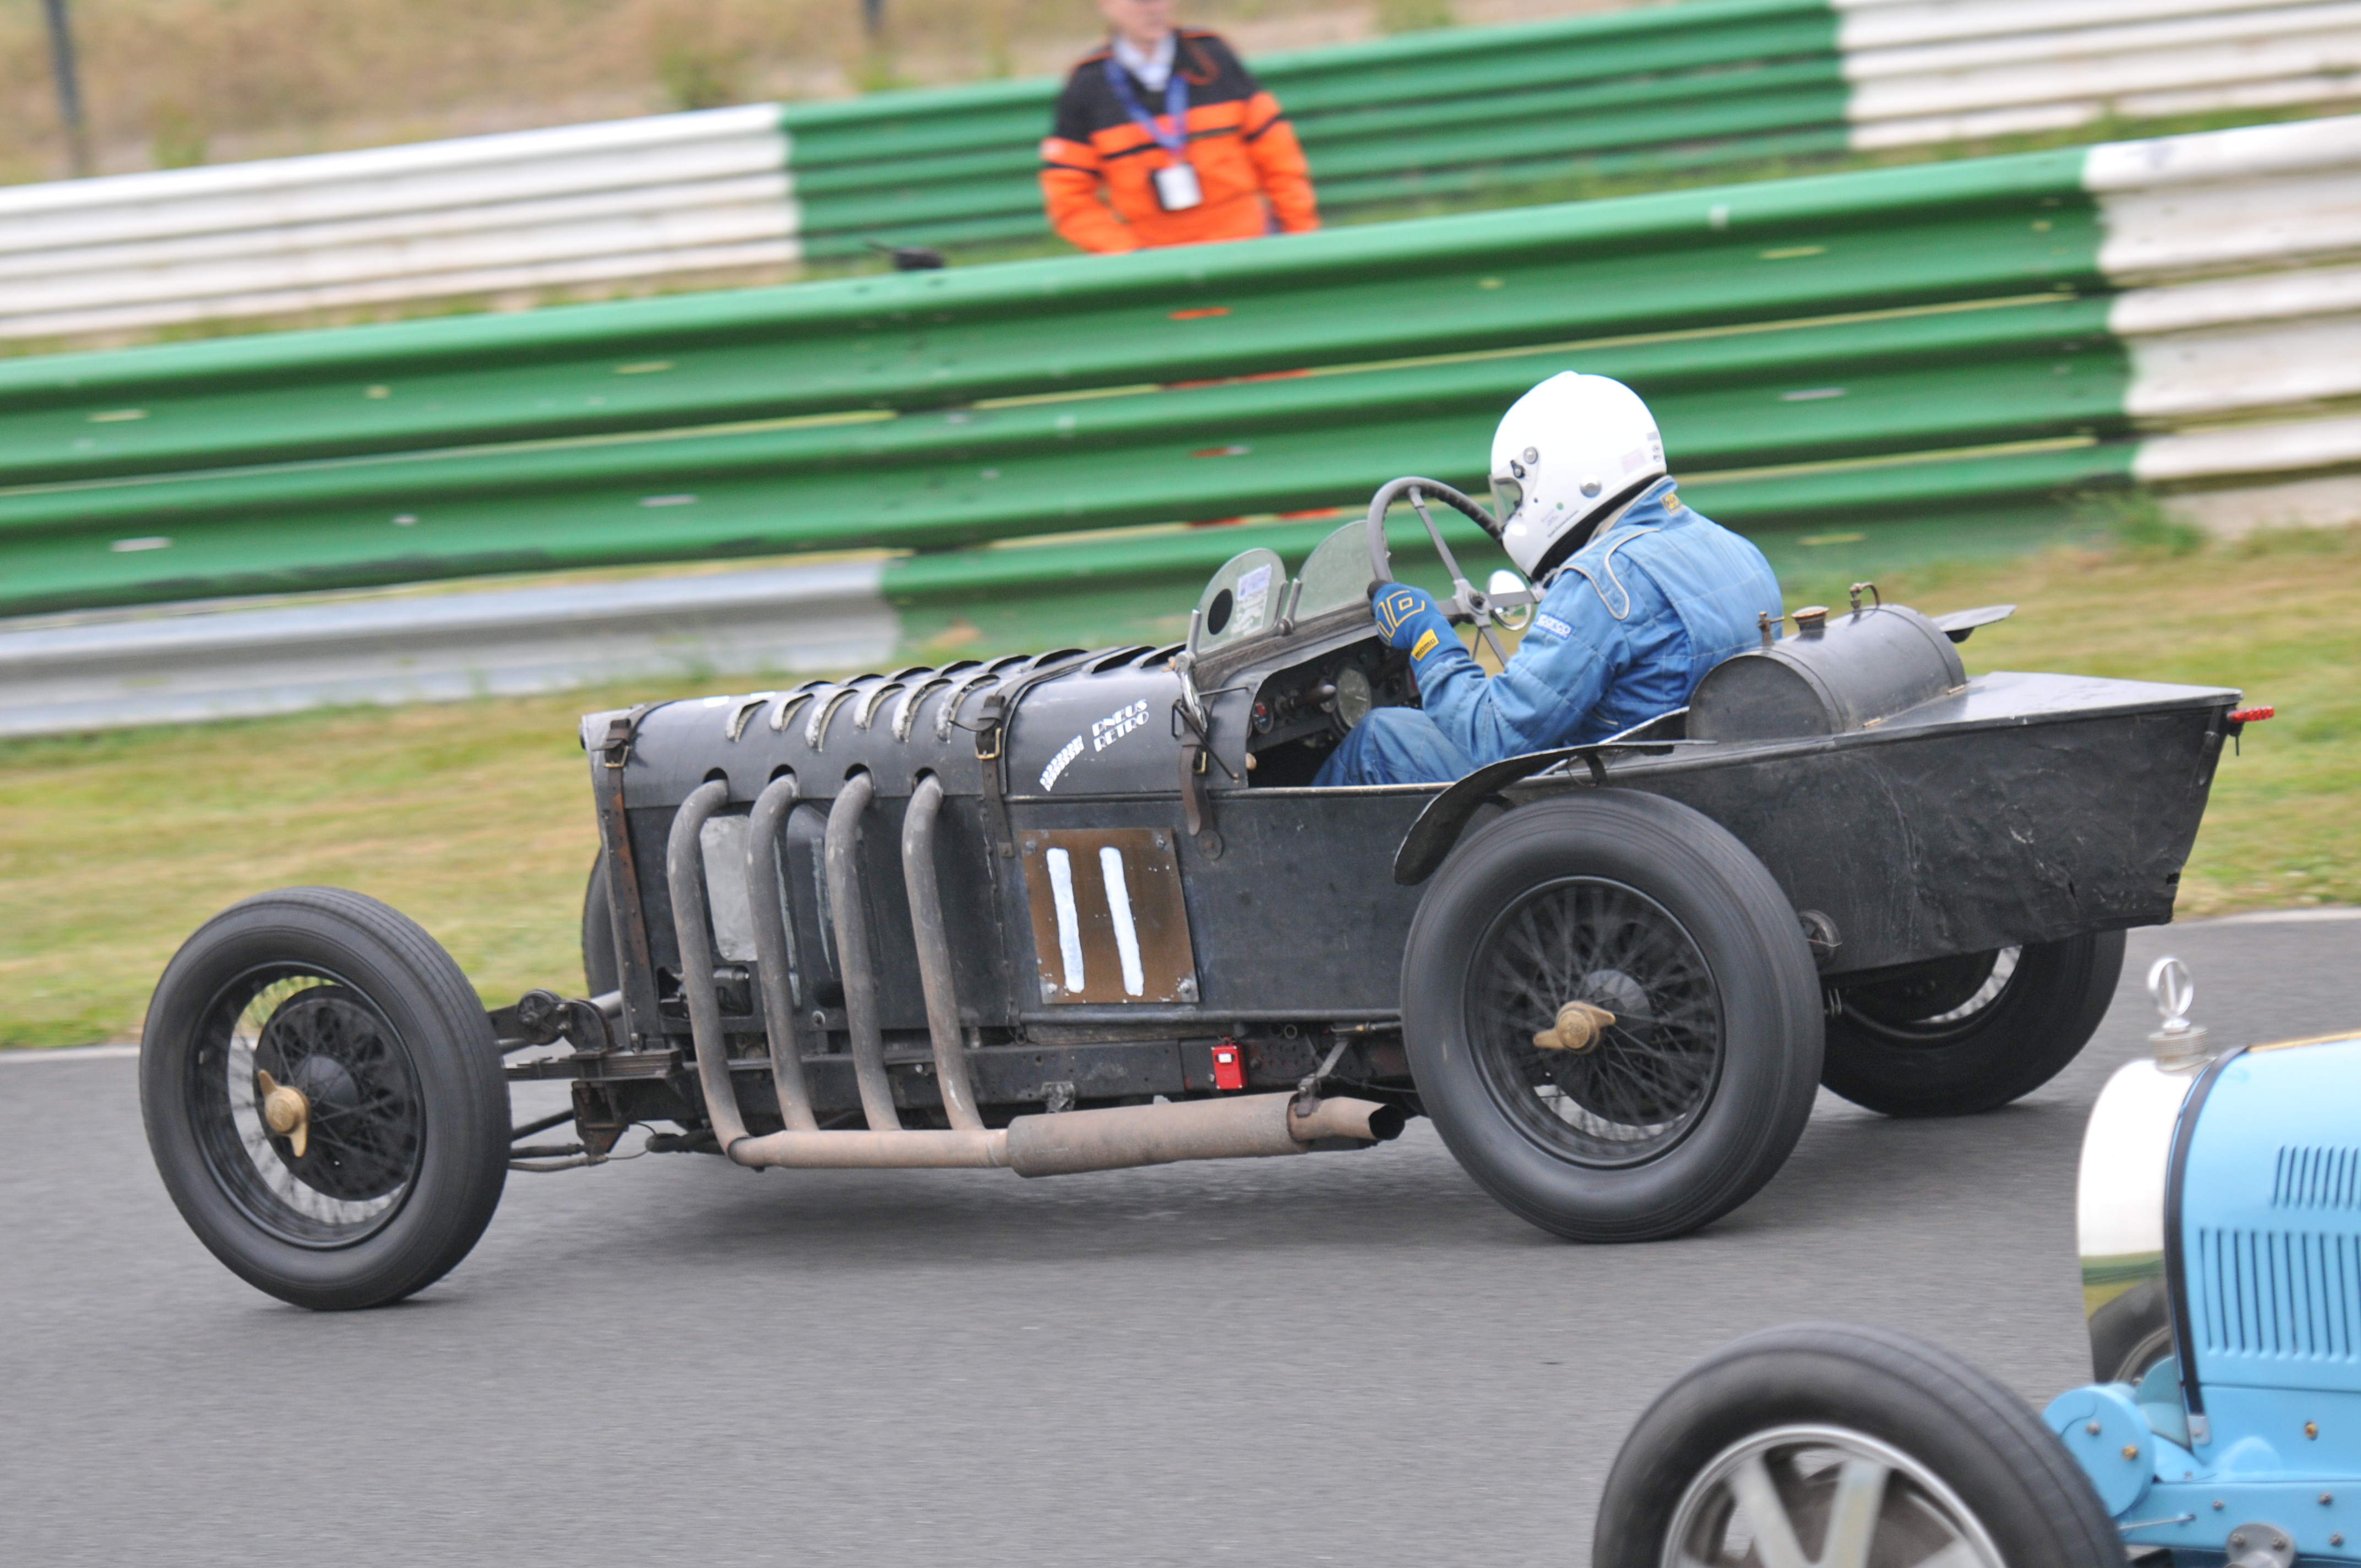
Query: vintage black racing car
[(1083, 910)]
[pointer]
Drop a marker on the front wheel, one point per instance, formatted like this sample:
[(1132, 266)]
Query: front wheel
[(1967, 1033), (1828, 1443), (324, 1098), (1611, 1015)]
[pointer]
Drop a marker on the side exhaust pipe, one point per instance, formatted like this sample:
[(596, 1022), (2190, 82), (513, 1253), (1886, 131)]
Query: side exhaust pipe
[(934, 953), (1246, 1126), (771, 809), (839, 850), (918, 1148), (1249, 1127), (685, 879)]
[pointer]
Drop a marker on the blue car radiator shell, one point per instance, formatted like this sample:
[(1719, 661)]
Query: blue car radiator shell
[(2268, 1182), (2270, 1220)]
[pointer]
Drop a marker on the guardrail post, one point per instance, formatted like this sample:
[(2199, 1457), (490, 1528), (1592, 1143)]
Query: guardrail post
[(62, 63)]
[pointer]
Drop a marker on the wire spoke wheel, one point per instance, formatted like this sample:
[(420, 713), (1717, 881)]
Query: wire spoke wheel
[(1637, 1087), (1969, 1032), (1934, 1003), (342, 1172), (1611, 1015), (1822, 1496), (324, 1095)]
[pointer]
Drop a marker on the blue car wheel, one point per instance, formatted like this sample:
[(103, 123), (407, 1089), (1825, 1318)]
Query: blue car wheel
[(1825, 1444)]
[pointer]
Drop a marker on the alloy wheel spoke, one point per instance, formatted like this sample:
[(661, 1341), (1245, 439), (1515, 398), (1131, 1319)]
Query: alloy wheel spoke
[(1853, 1514), (1775, 1532)]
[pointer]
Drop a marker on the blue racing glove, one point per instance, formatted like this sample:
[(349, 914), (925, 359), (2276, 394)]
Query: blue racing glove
[(1410, 618)]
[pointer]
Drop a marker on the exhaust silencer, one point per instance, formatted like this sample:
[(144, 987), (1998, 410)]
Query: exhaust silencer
[(1247, 1127)]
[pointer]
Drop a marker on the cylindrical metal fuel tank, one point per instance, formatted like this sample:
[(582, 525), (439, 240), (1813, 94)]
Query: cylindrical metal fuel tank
[(1835, 673)]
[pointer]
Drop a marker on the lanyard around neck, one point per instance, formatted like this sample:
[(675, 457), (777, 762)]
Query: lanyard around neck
[(1176, 104)]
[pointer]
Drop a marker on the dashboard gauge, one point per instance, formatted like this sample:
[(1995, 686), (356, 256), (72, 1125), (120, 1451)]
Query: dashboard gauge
[(1353, 695)]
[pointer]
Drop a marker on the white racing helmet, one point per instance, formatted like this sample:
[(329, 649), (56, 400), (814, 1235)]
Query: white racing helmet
[(1566, 456)]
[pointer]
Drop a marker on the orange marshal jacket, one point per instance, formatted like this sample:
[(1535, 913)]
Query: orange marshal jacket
[(1245, 151)]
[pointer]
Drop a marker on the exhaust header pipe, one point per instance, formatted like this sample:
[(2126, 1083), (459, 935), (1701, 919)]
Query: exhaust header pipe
[(1245, 1127)]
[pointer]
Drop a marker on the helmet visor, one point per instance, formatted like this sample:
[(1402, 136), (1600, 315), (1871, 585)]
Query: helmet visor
[(1506, 497)]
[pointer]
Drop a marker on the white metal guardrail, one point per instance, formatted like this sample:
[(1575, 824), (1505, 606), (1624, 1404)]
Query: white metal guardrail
[(186, 664), (664, 196), (672, 196), (2243, 318), (1939, 70)]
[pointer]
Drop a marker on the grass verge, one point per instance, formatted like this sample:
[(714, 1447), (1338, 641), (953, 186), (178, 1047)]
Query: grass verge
[(475, 819)]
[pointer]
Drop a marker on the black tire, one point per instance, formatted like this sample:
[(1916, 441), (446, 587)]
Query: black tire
[(1800, 1397), (1944, 1039), (405, 1105), (2131, 1333), (600, 970), (1646, 1132)]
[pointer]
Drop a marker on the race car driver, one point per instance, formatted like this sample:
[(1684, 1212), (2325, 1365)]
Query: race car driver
[(1639, 597), (1163, 137)]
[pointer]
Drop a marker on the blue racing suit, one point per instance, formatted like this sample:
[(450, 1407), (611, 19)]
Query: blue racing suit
[(1624, 632)]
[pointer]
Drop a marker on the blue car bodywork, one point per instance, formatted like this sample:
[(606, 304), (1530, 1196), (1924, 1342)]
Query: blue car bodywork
[(2240, 1438)]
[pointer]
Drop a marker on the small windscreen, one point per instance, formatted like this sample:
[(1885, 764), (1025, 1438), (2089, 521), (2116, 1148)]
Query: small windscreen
[(1337, 574), (1243, 598)]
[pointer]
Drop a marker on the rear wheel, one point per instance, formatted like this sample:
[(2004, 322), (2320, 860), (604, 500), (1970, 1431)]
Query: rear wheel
[(1971, 1033), (323, 1098), (1828, 1443), (1611, 1015)]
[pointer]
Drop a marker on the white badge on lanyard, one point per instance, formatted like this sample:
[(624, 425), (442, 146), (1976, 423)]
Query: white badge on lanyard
[(1177, 188)]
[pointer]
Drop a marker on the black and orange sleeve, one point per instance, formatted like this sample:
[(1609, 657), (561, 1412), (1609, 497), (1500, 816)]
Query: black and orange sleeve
[(1073, 181), (1279, 160)]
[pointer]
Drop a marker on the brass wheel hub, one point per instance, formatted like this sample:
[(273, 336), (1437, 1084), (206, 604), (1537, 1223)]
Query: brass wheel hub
[(1577, 1029), (285, 1112)]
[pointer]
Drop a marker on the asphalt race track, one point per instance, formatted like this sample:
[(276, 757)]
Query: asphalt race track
[(1347, 1358)]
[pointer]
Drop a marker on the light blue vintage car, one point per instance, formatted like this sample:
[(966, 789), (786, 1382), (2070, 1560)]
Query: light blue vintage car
[(2219, 1217)]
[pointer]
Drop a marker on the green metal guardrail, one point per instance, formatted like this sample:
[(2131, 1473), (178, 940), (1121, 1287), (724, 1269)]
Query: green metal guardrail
[(816, 416), (554, 440), (1495, 114), (1772, 251), (1704, 84), (1938, 337), (1699, 85)]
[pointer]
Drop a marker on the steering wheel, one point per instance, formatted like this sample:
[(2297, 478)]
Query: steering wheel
[(1466, 603)]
